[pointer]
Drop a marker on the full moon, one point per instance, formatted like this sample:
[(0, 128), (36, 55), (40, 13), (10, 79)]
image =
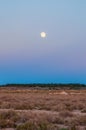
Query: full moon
[(43, 34)]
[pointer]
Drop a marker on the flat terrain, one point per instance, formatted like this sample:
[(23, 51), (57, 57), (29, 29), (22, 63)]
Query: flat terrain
[(26, 109)]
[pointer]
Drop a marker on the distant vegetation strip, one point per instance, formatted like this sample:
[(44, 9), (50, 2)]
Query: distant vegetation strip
[(48, 86)]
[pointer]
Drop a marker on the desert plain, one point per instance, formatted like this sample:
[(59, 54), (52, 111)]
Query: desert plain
[(39, 109)]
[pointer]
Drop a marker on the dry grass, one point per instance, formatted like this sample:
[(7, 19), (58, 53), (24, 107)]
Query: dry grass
[(25, 109)]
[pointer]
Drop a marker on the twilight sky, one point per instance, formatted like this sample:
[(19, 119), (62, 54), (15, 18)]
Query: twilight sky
[(25, 57)]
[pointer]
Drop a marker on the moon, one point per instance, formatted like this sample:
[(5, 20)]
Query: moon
[(43, 34)]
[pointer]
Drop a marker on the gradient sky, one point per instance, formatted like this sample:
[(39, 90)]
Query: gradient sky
[(25, 57)]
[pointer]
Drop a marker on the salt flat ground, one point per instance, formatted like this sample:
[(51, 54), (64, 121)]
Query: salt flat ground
[(42, 109)]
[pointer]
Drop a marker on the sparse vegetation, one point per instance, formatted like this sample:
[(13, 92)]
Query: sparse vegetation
[(34, 109)]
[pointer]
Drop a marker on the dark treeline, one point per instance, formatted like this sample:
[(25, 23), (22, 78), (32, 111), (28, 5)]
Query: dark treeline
[(48, 86)]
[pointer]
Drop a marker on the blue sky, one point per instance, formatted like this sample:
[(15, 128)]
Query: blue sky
[(26, 58)]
